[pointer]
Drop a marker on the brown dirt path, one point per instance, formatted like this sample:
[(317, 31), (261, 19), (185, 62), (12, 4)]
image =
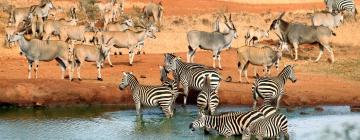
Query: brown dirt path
[(310, 89)]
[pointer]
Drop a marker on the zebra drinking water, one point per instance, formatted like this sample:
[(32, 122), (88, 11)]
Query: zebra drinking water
[(227, 124), (269, 127), (270, 88), (148, 95)]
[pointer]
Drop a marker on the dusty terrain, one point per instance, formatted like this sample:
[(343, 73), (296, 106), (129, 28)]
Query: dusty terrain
[(318, 83)]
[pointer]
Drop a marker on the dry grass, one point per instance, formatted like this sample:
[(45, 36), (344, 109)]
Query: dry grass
[(274, 1)]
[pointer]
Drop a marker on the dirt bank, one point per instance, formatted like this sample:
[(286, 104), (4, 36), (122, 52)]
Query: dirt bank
[(310, 89)]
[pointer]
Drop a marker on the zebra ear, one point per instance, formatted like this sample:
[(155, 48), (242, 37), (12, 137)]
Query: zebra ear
[(257, 76), (124, 73), (161, 67), (131, 73)]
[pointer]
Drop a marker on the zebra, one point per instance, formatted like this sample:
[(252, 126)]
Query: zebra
[(269, 127), (341, 5), (170, 83), (227, 124), (190, 77), (148, 95), (269, 88), (208, 98)]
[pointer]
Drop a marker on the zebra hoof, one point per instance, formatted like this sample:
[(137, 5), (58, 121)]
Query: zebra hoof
[(220, 68), (79, 79), (143, 53), (115, 53), (120, 53), (138, 53), (111, 65), (130, 64), (99, 79)]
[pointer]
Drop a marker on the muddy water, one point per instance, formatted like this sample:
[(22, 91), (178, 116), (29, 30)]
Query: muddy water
[(121, 123)]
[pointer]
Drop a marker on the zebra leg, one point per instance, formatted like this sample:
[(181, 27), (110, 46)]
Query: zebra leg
[(254, 104), (320, 53), (278, 101), (30, 63), (186, 93), (138, 108)]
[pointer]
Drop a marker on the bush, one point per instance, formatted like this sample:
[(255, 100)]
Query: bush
[(91, 10)]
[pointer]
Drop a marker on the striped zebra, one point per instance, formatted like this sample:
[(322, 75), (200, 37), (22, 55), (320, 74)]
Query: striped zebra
[(192, 78), (168, 57), (269, 127), (148, 95), (341, 5), (166, 81), (266, 110), (270, 88), (227, 124), (208, 98)]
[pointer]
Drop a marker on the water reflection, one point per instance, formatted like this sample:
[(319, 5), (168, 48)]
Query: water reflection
[(114, 122)]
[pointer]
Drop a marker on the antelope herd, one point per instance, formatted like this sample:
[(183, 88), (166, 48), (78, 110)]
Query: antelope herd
[(77, 41)]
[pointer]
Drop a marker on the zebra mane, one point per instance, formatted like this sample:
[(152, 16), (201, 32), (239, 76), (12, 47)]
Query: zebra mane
[(282, 71)]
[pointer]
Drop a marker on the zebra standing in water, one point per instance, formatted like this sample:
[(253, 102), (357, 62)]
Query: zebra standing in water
[(191, 78), (148, 95), (270, 88), (269, 127), (166, 81), (341, 5), (207, 98)]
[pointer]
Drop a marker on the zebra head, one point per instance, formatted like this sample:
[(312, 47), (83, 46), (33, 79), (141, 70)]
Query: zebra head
[(171, 64), (291, 73), (125, 81), (198, 123)]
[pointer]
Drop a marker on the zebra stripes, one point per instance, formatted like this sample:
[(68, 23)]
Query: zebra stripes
[(148, 95), (191, 76), (227, 124), (341, 5), (269, 127), (269, 88), (207, 98)]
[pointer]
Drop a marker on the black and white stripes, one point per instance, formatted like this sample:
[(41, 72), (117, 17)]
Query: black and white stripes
[(227, 124), (269, 127), (148, 95), (208, 98), (191, 76), (341, 5), (269, 88)]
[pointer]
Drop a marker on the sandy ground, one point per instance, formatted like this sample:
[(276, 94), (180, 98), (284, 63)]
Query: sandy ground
[(318, 83)]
